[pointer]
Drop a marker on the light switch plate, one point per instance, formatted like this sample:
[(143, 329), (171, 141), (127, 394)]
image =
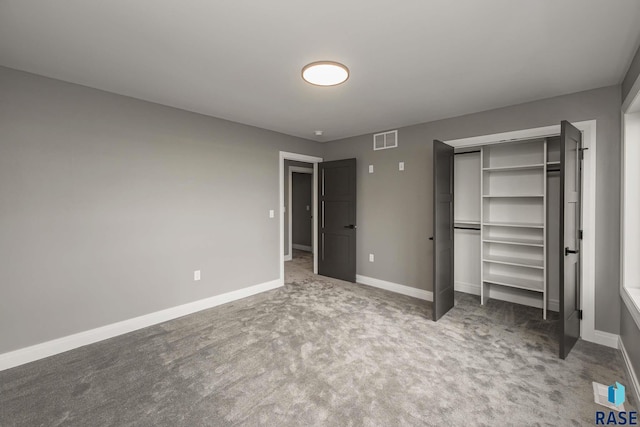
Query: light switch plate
[(371, 258), (401, 166), (370, 168), (271, 213), (196, 275)]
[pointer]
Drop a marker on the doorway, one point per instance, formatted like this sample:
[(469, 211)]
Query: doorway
[(299, 214), (308, 162)]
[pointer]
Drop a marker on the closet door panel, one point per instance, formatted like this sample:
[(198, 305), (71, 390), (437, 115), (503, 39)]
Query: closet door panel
[(443, 242), (570, 189)]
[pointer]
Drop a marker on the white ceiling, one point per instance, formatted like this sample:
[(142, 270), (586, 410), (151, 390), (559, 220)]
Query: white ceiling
[(411, 61)]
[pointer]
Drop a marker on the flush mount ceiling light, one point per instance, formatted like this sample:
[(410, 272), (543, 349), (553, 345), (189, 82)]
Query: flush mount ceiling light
[(325, 73)]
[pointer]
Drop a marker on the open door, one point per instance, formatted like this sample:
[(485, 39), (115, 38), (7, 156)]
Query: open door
[(443, 295), (570, 239), (337, 219)]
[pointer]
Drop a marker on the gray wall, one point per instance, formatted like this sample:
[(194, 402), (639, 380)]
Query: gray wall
[(287, 164), (632, 75), (301, 217), (108, 204), (395, 208)]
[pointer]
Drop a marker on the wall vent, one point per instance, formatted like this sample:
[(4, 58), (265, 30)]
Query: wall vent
[(384, 140)]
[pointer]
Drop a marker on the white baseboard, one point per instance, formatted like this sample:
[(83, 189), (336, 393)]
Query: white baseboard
[(60, 345), (504, 295), (288, 257), (467, 288), (632, 373), (604, 338), (395, 287), (302, 247)]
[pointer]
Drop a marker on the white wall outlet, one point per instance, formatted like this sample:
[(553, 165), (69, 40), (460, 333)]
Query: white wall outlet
[(272, 213), (371, 258), (196, 275), (401, 166), (370, 168)]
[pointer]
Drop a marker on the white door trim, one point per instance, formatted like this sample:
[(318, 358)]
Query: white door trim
[(284, 155), (296, 169), (588, 128)]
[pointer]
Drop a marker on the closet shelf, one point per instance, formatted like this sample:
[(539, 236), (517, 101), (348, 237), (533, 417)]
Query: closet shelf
[(513, 241), (512, 196), (513, 224), (513, 168), (466, 225), (518, 262), (554, 162), (470, 227), (515, 282), (465, 222)]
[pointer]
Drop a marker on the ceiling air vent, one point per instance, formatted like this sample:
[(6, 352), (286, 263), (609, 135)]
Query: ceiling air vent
[(385, 140)]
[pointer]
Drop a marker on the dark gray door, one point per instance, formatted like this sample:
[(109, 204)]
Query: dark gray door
[(337, 219), (571, 218), (443, 295)]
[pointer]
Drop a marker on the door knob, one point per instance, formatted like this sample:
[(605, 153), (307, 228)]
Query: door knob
[(351, 226), (568, 251), (431, 238)]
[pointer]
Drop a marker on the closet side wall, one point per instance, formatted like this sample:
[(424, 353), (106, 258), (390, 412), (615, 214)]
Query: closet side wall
[(466, 215)]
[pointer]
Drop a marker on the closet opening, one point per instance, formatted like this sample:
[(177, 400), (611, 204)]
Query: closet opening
[(509, 221), (506, 212)]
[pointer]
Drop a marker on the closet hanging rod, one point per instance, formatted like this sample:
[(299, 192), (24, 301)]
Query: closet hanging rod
[(466, 228), (468, 152)]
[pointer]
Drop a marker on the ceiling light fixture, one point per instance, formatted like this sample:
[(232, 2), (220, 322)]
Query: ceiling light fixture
[(325, 73)]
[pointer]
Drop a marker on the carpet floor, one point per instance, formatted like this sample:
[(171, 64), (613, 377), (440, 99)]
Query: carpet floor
[(320, 352)]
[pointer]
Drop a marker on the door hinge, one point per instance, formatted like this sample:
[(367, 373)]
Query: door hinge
[(568, 251), (580, 234), (580, 314), (582, 150)]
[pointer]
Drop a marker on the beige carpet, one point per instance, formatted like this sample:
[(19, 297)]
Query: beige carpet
[(320, 352)]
